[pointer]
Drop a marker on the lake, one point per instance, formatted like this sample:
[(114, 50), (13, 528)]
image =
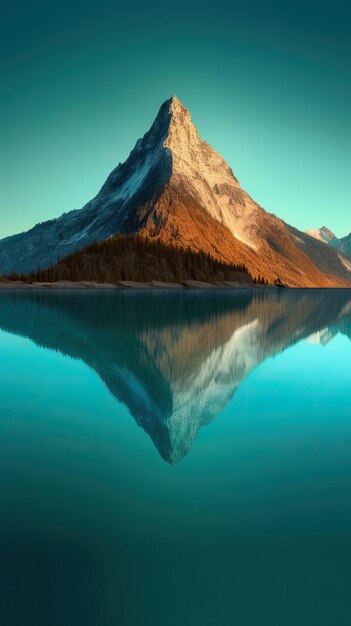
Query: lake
[(175, 458)]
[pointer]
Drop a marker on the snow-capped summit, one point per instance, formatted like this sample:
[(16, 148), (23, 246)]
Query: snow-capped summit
[(174, 187)]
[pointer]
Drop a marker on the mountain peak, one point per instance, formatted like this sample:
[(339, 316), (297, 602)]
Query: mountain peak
[(322, 234), (175, 188), (172, 107), (172, 114), (174, 100), (177, 107), (327, 231), (182, 134)]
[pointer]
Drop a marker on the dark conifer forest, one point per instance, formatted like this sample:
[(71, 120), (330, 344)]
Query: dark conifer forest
[(130, 258)]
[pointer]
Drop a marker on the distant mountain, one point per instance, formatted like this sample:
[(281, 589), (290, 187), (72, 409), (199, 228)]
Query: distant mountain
[(322, 234), (343, 245), (177, 189), (174, 359)]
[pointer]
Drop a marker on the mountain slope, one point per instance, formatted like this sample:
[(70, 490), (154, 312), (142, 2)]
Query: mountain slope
[(343, 245), (176, 188)]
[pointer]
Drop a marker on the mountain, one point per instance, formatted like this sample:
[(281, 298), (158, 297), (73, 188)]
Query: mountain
[(343, 245), (174, 359), (322, 234), (177, 189)]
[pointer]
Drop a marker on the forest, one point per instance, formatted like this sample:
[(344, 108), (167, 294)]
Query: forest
[(136, 258)]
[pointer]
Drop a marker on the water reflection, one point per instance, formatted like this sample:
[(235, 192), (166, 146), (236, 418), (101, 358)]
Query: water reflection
[(174, 358)]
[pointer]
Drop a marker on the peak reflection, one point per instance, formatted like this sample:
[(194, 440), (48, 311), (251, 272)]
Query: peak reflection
[(174, 359)]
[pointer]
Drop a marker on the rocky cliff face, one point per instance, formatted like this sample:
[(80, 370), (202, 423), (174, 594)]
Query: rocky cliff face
[(177, 188)]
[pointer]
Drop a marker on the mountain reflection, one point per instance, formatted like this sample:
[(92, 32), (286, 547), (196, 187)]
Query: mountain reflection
[(174, 359)]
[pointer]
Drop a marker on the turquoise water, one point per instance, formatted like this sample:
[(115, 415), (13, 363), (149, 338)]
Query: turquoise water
[(175, 458)]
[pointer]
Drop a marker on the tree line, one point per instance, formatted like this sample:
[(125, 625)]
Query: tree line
[(137, 258)]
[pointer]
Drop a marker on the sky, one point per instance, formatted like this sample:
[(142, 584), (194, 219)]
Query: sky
[(268, 85)]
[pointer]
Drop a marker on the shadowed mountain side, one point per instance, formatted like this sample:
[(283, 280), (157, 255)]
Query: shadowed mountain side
[(175, 359), (133, 184), (343, 244)]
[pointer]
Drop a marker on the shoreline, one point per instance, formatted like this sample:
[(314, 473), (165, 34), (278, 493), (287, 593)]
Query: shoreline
[(129, 284), (185, 285)]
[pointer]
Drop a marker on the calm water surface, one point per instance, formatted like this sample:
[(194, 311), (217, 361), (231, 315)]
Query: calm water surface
[(175, 458)]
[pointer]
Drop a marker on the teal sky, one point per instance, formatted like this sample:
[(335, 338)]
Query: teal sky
[(268, 84)]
